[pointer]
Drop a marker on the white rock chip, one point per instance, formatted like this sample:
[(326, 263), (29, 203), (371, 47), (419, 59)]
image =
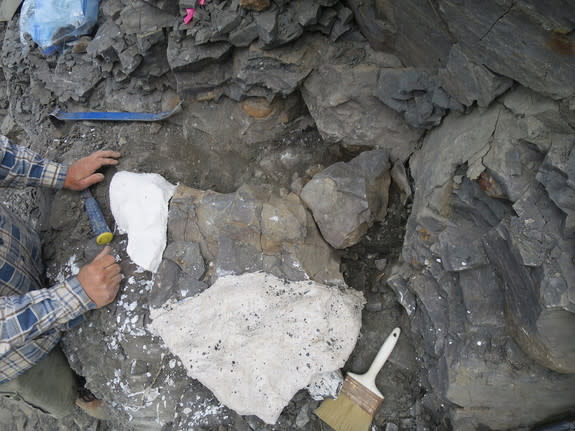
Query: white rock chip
[(139, 203), (255, 340)]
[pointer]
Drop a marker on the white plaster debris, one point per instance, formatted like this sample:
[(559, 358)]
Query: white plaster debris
[(325, 385), (139, 203), (255, 340), (204, 411), (69, 269)]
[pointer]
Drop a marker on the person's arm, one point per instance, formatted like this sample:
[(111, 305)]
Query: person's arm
[(25, 317), (22, 167)]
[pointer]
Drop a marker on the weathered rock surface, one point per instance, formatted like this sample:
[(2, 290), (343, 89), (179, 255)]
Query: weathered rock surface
[(489, 291), (416, 94), (253, 230), (433, 34), (347, 198), (483, 238), (470, 82), (353, 115), (486, 35)]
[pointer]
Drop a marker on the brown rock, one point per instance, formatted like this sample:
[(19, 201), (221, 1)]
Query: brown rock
[(257, 5), (257, 107)]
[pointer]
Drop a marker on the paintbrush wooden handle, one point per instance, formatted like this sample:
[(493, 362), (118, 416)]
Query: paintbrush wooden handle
[(368, 379)]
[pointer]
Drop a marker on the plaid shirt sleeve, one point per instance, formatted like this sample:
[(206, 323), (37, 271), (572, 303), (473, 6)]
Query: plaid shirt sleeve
[(23, 318), (20, 166)]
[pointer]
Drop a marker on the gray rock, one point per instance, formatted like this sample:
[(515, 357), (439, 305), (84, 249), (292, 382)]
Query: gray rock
[(470, 82), (283, 220), (73, 78), (112, 9), (353, 116), (307, 11), (511, 162), (460, 251), (339, 28), (253, 71), (423, 33), (326, 21), (498, 390), (143, 17), (557, 174), (207, 82), (188, 286), (244, 35), (433, 313), (484, 35), (103, 42), (483, 297), (187, 256), (374, 306), (405, 297), (253, 230), (267, 23), (165, 283), (288, 29), (432, 177), (535, 326), (224, 21), (146, 41), (302, 418), (369, 18), (347, 198), (381, 264), (185, 55), (479, 197), (130, 59), (235, 257), (399, 177), (281, 70), (415, 94)]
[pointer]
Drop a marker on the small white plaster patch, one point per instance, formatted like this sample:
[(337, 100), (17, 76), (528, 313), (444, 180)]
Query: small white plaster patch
[(255, 340), (325, 385), (69, 269), (139, 203)]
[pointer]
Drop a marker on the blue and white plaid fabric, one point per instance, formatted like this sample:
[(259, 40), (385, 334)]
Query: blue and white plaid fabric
[(31, 317)]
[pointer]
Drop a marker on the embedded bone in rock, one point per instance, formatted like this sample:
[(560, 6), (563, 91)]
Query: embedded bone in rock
[(255, 340), (139, 203)]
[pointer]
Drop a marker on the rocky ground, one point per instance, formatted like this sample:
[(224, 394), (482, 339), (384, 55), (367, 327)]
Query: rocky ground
[(464, 240)]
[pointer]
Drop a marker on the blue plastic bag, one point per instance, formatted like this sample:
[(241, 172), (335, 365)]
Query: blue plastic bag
[(50, 23)]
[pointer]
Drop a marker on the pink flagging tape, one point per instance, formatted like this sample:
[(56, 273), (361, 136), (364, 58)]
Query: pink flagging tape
[(191, 12), (189, 16)]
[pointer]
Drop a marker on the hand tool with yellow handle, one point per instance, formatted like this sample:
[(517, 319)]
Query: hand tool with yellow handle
[(99, 226)]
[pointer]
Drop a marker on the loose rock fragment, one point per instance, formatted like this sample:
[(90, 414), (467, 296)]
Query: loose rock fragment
[(347, 198)]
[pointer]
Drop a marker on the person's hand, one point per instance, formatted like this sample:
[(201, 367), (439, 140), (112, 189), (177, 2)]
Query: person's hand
[(101, 278), (82, 173)]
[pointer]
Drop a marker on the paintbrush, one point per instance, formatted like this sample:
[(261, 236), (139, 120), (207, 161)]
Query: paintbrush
[(359, 398)]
